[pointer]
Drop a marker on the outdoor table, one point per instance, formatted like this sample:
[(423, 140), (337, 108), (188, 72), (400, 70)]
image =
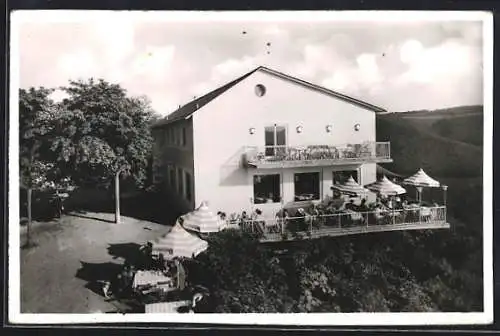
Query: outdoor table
[(166, 307), (355, 216), (151, 278)]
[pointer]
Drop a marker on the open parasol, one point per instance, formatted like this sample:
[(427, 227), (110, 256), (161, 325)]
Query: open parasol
[(178, 242), (203, 220), (350, 187), (385, 187), (421, 179)]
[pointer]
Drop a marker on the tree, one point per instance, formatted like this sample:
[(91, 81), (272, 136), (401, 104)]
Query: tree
[(36, 112), (241, 275), (103, 134)]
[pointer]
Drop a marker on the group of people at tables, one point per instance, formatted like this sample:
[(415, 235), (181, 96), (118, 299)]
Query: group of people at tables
[(355, 208), (147, 275)]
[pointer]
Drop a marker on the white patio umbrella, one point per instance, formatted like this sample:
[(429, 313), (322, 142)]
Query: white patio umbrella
[(350, 187), (178, 242), (385, 187), (420, 180), (203, 220)]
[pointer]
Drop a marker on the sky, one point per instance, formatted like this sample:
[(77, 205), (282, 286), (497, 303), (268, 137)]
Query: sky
[(400, 66)]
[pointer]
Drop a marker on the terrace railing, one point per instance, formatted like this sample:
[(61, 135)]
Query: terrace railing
[(317, 154), (344, 223)]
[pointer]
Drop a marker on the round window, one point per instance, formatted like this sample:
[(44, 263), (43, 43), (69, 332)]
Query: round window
[(260, 90), (356, 127)]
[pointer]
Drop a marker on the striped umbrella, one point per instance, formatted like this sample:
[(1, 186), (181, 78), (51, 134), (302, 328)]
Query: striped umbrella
[(350, 187), (203, 220), (385, 187), (179, 243), (421, 179)]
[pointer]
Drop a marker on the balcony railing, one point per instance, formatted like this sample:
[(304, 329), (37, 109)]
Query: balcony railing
[(344, 223), (273, 156)]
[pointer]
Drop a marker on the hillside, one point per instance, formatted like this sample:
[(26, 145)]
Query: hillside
[(464, 124), (442, 143)]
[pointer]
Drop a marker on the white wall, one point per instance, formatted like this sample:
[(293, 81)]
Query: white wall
[(221, 129)]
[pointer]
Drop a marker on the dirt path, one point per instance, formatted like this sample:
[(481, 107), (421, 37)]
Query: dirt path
[(52, 280)]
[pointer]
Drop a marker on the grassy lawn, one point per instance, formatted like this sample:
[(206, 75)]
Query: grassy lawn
[(71, 254)]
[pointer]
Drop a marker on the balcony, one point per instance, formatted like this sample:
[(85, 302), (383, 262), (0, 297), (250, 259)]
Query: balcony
[(317, 155), (344, 223)]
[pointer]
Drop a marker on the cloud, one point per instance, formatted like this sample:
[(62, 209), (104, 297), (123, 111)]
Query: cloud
[(154, 62), (446, 63), (400, 66), (78, 64)]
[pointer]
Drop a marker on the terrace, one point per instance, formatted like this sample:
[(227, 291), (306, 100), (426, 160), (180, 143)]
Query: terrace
[(341, 223), (316, 155)]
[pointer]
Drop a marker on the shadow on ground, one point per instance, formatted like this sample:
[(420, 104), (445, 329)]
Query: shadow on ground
[(97, 273), (83, 214), (148, 206), (130, 252), (153, 206)]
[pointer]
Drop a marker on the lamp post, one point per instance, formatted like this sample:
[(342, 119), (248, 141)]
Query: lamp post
[(445, 188)]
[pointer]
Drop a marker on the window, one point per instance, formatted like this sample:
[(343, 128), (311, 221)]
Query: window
[(167, 178), (266, 189), (167, 136), (188, 186), (341, 176), (275, 139), (180, 180), (172, 177), (184, 136), (307, 186)]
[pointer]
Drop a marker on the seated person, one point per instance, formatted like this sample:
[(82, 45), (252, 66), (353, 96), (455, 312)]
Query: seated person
[(363, 207), (350, 206), (313, 210), (390, 204), (398, 204), (159, 263), (378, 212), (147, 255), (221, 215), (120, 284)]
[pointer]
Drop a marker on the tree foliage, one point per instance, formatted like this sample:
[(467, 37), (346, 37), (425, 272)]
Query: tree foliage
[(100, 130), (36, 112), (247, 279), (403, 272)]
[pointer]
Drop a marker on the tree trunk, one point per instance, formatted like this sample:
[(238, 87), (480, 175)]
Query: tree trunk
[(117, 198), (28, 225)]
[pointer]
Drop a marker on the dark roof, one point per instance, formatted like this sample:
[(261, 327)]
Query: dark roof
[(191, 107)]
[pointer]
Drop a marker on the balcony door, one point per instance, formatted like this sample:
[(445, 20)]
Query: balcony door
[(275, 139)]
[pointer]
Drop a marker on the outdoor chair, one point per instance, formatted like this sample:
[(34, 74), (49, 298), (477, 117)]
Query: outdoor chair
[(425, 214)]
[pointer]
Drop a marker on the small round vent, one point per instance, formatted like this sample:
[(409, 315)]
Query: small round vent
[(260, 90)]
